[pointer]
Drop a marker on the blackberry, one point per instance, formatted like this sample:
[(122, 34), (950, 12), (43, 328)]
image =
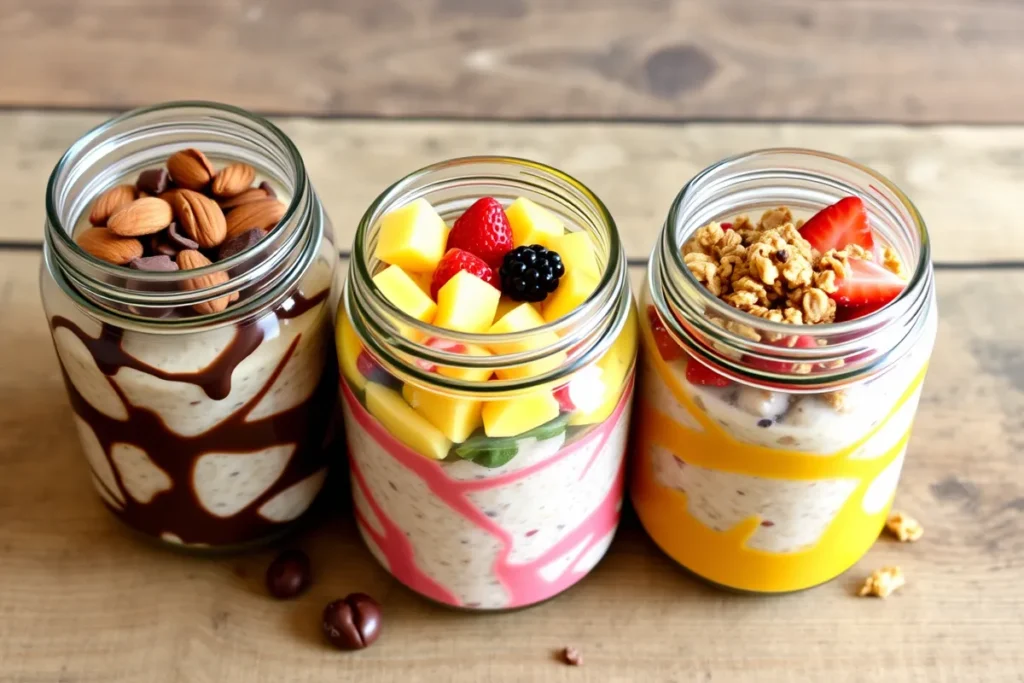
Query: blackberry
[(530, 273)]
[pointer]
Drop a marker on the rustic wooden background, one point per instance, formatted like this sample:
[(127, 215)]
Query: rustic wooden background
[(633, 98)]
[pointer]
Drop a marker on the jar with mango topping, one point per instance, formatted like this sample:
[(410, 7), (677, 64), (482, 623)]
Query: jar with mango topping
[(787, 322), (487, 337)]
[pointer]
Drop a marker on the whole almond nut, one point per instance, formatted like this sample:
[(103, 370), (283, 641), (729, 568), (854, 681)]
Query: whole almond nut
[(190, 169), (200, 218), (253, 194), (233, 179), (106, 246), (263, 214), (141, 217), (190, 260), (109, 202)]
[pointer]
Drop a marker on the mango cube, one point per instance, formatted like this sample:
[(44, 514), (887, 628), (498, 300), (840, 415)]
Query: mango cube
[(401, 290), (456, 417), (349, 348), (574, 288), (532, 223), (404, 423), (520, 319), (578, 253), (468, 374), (466, 304), (517, 415), (423, 280), (413, 237), (507, 303), (614, 365)]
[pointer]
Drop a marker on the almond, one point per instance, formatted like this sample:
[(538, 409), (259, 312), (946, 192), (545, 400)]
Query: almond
[(190, 169), (253, 194), (200, 218), (263, 214), (109, 202), (233, 179), (106, 246), (191, 259), (141, 217)]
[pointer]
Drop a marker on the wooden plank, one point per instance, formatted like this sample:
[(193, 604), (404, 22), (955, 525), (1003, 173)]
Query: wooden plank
[(949, 60), (82, 600), (966, 181)]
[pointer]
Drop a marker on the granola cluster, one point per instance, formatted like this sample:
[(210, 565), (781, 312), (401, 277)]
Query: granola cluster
[(904, 527), (770, 271), (883, 582)]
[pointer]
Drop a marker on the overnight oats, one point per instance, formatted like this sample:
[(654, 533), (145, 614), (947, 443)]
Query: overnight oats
[(187, 282), (786, 324), (487, 339)]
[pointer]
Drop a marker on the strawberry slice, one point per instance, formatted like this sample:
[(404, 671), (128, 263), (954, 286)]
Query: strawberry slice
[(867, 286), (667, 346), (564, 400), (456, 260), (483, 230), (839, 225), (443, 345), (781, 366), (698, 373)]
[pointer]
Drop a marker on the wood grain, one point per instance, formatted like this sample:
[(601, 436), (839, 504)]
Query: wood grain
[(907, 60), (966, 181), (83, 600)]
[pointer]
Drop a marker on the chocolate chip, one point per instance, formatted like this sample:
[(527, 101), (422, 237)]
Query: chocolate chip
[(353, 622), (572, 656), (240, 243), (160, 246), (268, 188), (156, 264), (179, 239), (765, 422), (782, 255), (154, 181), (289, 575)]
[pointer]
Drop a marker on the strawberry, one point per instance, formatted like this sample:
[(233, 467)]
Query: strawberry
[(564, 400), (456, 260), (442, 344), (698, 373), (483, 230), (867, 286), (839, 225), (667, 346), (780, 366)]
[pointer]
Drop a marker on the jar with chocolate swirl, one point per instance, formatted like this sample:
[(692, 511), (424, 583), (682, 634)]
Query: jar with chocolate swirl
[(187, 279)]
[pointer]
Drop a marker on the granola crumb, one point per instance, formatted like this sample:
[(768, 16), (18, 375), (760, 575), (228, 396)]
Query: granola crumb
[(839, 400), (904, 527), (572, 656), (891, 261), (883, 582)]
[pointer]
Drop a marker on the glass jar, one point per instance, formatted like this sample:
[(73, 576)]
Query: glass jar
[(781, 478), (472, 521), (201, 430)]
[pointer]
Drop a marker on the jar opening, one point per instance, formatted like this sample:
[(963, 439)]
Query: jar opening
[(116, 152), (408, 348), (748, 348)]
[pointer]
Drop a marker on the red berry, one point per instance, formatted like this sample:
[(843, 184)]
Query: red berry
[(838, 226), (366, 365), (457, 260), (698, 373), (667, 346), (867, 286), (564, 401), (483, 230), (726, 226)]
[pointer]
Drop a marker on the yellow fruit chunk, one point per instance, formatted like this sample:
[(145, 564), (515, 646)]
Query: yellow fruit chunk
[(532, 223), (578, 253), (506, 304), (466, 304), (423, 280), (349, 348), (404, 423), (468, 374), (401, 290), (520, 319), (614, 365), (518, 415), (573, 289), (456, 417), (412, 237)]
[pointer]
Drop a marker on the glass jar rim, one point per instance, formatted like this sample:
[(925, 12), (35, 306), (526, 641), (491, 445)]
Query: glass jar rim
[(667, 272), (73, 267), (603, 313)]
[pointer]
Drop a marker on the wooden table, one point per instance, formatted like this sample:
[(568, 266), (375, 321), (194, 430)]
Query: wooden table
[(83, 601)]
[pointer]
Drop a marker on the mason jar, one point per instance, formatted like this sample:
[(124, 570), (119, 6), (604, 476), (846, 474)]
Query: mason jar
[(778, 475), (468, 520), (203, 425)]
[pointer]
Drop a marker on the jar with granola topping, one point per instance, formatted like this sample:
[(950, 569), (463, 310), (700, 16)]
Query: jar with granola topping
[(788, 317), (187, 276), (487, 339)]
